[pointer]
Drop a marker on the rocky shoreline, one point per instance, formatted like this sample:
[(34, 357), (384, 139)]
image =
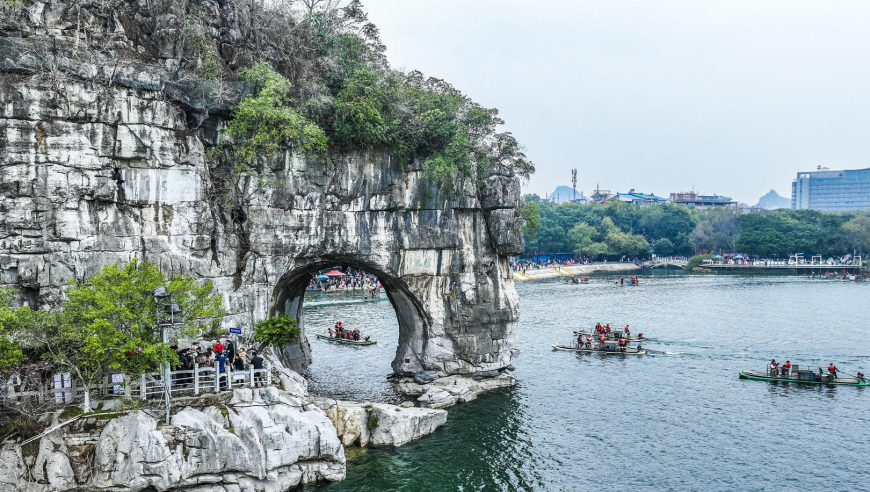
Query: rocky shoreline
[(247, 440)]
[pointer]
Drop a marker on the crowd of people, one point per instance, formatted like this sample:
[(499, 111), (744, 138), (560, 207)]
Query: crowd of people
[(353, 279), (339, 331), (223, 357), (606, 333)]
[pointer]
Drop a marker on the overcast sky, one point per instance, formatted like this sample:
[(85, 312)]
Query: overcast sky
[(731, 97)]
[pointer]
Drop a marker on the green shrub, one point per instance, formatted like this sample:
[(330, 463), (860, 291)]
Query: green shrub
[(277, 331), (372, 424)]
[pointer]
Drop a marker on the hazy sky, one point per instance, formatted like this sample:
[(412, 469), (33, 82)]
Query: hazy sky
[(731, 97)]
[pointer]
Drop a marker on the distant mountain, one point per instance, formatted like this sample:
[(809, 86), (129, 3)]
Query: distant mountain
[(772, 200), (564, 194)]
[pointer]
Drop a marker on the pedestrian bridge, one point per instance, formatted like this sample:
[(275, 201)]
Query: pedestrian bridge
[(663, 263)]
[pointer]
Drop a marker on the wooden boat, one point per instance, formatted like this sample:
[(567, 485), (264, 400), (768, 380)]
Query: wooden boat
[(600, 350), (802, 377), (326, 336)]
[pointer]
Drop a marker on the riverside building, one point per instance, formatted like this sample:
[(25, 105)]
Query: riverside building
[(831, 191)]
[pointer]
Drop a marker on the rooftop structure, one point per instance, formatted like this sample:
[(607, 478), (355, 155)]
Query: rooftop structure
[(701, 202), (831, 191), (638, 198)]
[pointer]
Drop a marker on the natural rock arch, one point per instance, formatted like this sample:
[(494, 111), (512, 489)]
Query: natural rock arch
[(410, 313), (129, 179)]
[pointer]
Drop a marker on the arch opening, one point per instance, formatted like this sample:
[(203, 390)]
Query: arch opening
[(410, 318)]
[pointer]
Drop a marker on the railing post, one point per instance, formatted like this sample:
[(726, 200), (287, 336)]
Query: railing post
[(251, 382), (217, 379), (169, 383), (143, 388), (268, 374), (195, 378)]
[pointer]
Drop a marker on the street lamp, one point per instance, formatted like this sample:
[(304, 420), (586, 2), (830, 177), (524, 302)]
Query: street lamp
[(163, 298)]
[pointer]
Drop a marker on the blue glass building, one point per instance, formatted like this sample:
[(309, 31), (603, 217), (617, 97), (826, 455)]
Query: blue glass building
[(831, 191)]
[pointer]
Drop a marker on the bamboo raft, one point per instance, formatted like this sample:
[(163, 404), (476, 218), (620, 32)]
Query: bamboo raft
[(345, 341), (574, 348), (796, 378)]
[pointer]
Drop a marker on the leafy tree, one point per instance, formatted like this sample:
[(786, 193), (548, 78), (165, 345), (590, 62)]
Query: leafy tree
[(276, 331), (11, 321), (110, 322), (266, 119), (530, 212), (620, 243), (664, 246), (717, 229), (856, 234)]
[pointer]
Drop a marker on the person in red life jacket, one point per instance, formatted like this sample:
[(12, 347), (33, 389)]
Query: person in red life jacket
[(356, 334), (773, 366), (786, 368), (832, 369), (580, 340), (602, 340), (330, 332), (626, 330), (218, 347), (861, 375), (588, 342)]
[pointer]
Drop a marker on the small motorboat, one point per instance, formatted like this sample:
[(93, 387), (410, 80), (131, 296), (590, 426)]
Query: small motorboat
[(608, 347), (346, 341), (584, 280), (803, 377)]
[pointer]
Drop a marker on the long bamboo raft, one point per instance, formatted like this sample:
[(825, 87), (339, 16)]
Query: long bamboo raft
[(574, 348), (326, 336), (613, 335), (794, 378)]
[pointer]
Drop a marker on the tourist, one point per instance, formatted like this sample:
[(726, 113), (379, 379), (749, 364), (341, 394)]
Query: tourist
[(239, 364), (588, 341), (627, 333), (832, 369), (784, 370), (202, 359), (773, 366), (607, 329), (221, 358), (330, 332), (622, 344), (231, 350), (257, 363), (218, 347), (580, 340), (356, 334)]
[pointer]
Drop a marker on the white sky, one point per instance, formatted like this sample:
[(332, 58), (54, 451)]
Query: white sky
[(731, 97)]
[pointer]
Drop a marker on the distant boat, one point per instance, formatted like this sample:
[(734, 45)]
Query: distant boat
[(615, 335), (804, 377), (326, 336)]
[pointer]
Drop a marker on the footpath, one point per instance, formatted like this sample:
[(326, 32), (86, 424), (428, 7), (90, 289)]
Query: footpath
[(576, 270)]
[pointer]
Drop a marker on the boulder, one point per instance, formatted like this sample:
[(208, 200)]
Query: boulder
[(398, 426), (436, 397)]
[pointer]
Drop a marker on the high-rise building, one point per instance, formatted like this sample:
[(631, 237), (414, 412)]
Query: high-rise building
[(831, 191)]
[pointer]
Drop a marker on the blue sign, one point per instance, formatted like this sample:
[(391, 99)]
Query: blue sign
[(235, 331)]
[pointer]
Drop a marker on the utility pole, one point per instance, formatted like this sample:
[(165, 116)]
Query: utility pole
[(574, 182)]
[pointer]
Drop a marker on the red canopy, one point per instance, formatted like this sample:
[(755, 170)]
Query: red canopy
[(334, 273)]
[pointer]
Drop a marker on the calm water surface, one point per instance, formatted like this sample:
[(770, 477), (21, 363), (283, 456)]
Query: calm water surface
[(676, 419)]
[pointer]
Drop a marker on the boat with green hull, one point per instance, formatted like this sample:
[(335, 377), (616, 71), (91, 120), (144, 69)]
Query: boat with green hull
[(796, 377), (346, 341)]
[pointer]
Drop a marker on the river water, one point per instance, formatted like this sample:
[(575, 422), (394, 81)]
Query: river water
[(675, 419)]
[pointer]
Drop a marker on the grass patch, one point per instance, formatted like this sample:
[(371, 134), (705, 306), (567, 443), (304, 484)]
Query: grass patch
[(373, 422)]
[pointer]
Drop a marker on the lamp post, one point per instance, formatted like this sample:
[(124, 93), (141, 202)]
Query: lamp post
[(164, 299)]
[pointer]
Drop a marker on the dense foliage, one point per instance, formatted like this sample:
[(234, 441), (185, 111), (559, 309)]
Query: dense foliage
[(622, 229), (277, 330), (329, 89), (108, 323)]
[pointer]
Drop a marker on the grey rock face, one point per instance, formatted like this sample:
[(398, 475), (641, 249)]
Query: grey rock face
[(97, 173), (392, 425), (264, 440)]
